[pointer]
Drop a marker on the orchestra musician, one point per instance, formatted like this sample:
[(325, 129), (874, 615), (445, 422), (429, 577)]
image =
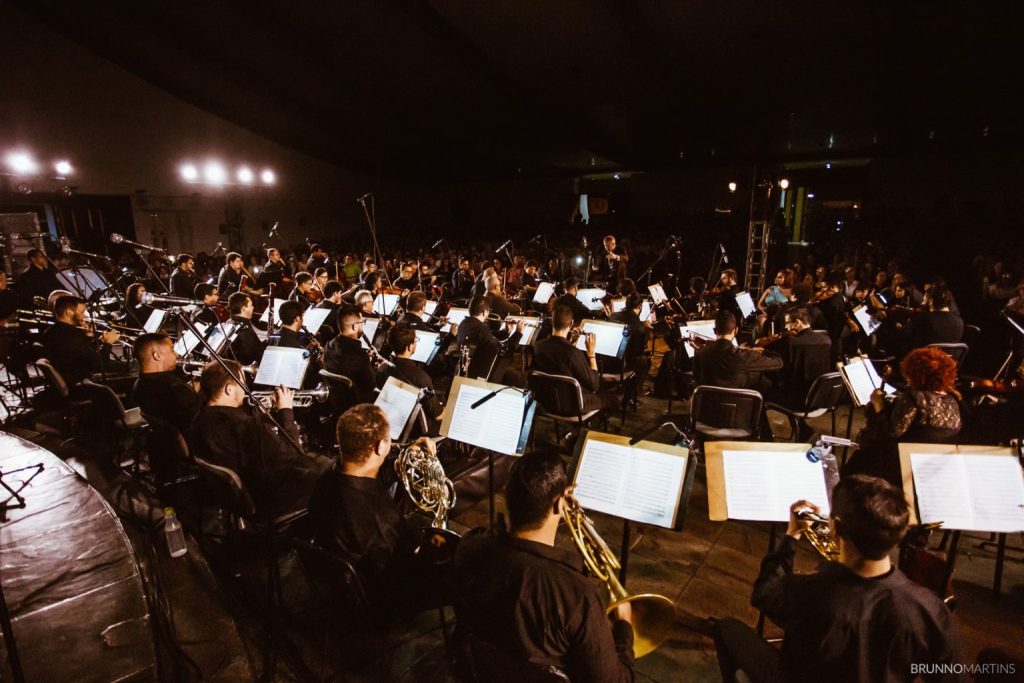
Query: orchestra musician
[(532, 600), (568, 298), (806, 355), (496, 298), (474, 332), (407, 280), (320, 280), (160, 391), (635, 357), (275, 271), (278, 476), (136, 312), (345, 355), (183, 277), (856, 619), (412, 317), (207, 313), (69, 344), (462, 280), (514, 274), (936, 325), (300, 292), (230, 279), (290, 317), (608, 266), (246, 347), (317, 258), (724, 293), (38, 280), (720, 363), (774, 297), (403, 341)]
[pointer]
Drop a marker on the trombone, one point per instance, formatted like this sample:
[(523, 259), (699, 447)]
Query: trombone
[(653, 615)]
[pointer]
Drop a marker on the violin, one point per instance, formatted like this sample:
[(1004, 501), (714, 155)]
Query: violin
[(824, 294), (764, 342), (315, 295)]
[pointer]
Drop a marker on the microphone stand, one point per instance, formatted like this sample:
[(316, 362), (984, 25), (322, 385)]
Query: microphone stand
[(371, 220), (714, 273), (156, 276), (490, 454)]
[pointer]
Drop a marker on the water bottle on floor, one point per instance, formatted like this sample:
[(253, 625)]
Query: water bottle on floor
[(175, 536)]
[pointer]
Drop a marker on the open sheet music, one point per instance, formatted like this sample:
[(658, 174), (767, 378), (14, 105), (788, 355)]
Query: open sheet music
[(867, 323), (189, 340), (969, 491), (545, 290), (500, 424), (454, 316), (591, 298), (759, 482), (282, 367), (398, 401), (427, 346), (155, 320), (428, 311), (385, 304), (530, 329), (746, 304), (370, 326), (862, 379), (278, 303), (620, 303), (701, 329), (611, 337), (658, 294), (314, 318), (218, 338), (643, 482)]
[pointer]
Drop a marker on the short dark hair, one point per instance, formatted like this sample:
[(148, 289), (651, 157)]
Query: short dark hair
[(184, 258), (238, 301), (400, 337), (331, 288), (203, 290), (416, 301), (346, 313), (319, 271), (315, 247), (32, 253), (290, 312), (146, 341), (939, 297), (870, 513), (561, 317), (799, 313), (634, 300), (131, 294), (803, 292), (725, 323), (479, 305), (302, 278), (216, 376), (360, 429), (569, 283), (231, 256), (65, 303), (535, 482)]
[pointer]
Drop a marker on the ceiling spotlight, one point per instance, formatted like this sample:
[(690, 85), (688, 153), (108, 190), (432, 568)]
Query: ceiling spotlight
[(267, 177), (732, 187), (22, 163), (810, 195), (616, 176), (828, 165), (784, 183), (63, 167), (245, 175), (214, 173), (189, 173)]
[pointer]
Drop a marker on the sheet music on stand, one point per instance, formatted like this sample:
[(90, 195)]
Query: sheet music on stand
[(867, 323), (619, 303), (219, 336), (591, 298), (645, 482), (702, 329), (427, 346), (278, 303), (501, 424), (454, 316), (398, 401), (968, 488), (759, 481), (612, 337), (545, 290), (155, 320), (385, 304), (746, 304), (370, 326), (428, 310), (189, 340), (282, 367), (862, 379), (529, 330), (657, 294), (314, 318)]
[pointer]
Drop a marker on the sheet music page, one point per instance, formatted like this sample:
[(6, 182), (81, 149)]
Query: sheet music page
[(429, 306), (696, 328), (652, 487), (618, 304), (282, 367), (645, 311), (745, 303), (529, 331), (545, 290), (591, 298), (220, 336), (454, 316), (385, 304), (369, 331), (278, 303), (609, 337), (864, 379), (761, 485), (155, 320), (868, 323), (658, 294), (969, 492), (426, 344), (189, 340), (314, 318), (397, 399), (601, 475), (494, 425)]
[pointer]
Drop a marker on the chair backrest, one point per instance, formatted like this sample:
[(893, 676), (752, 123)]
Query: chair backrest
[(225, 487), (488, 663), (958, 351), (557, 394), (723, 408), (826, 392), (335, 578), (53, 378)]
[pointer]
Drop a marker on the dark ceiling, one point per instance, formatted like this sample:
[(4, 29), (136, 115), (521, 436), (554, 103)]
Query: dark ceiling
[(453, 89)]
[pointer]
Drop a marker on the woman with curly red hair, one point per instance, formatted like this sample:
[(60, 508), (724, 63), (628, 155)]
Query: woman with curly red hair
[(927, 411)]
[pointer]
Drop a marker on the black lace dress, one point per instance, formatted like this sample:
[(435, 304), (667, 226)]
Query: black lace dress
[(912, 417)]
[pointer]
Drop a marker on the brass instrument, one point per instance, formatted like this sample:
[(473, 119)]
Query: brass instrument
[(653, 615), (819, 535), (300, 399), (424, 479)]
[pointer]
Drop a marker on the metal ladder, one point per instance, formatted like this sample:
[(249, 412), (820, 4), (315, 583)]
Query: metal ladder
[(758, 242)]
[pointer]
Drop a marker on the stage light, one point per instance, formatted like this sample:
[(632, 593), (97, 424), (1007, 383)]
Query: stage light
[(579, 260), (828, 165), (63, 167), (784, 183), (214, 173), (616, 176), (22, 163), (189, 173), (810, 195), (267, 177), (245, 175), (732, 187)]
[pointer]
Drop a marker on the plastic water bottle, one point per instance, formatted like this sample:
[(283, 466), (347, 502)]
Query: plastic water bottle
[(175, 536)]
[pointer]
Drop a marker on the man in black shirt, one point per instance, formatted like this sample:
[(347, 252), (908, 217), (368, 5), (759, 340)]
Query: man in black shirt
[(208, 294), (635, 357), (806, 355), (720, 363), (247, 347), (230, 279), (474, 332), (414, 306), (278, 476), (462, 280), (39, 279), (345, 355), (557, 356), (937, 325), (332, 292), (532, 600), (300, 292), (570, 287), (71, 349), (291, 323), (407, 280), (403, 341), (496, 298), (275, 270), (317, 258), (609, 267), (183, 278), (857, 619), (160, 391)]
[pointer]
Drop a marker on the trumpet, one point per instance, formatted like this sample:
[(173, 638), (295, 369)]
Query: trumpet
[(819, 535), (300, 399), (653, 615)]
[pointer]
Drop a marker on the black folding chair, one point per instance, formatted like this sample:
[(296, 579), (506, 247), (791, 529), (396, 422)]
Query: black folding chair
[(721, 413), (824, 396), (561, 399)]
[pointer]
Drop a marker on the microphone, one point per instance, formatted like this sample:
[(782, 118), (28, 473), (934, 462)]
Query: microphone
[(536, 238), (647, 432), (149, 298), (273, 230), (488, 397), (117, 238), (437, 243), (27, 235), (502, 247), (362, 200), (725, 256)]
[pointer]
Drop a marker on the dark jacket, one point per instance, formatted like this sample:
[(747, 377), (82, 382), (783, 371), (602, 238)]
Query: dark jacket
[(556, 356), (805, 357), (411, 372), (344, 356), (933, 327), (229, 281), (472, 332), (183, 283), (73, 353), (579, 311), (247, 347), (168, 396), (721, 364), (36, 282)]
